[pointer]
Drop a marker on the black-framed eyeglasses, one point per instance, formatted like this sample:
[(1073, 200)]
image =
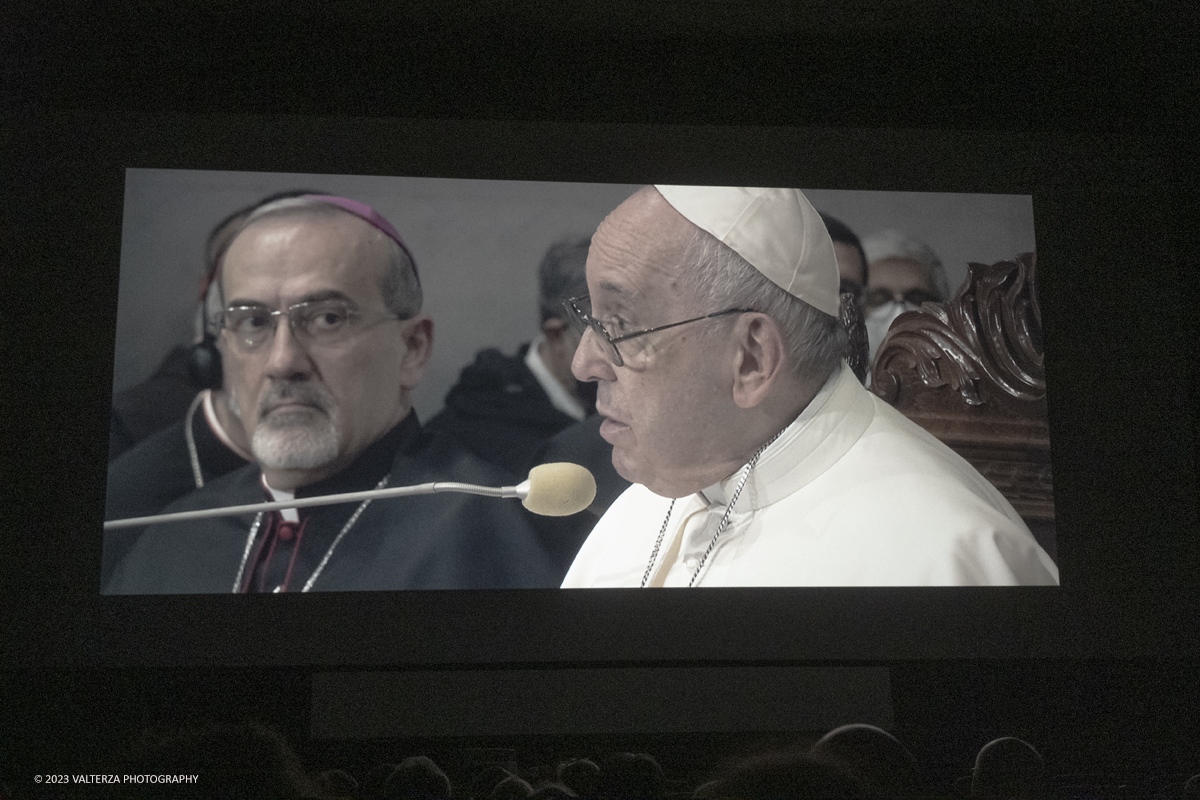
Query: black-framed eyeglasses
[(579, 312), (874, 298), (321, 322)]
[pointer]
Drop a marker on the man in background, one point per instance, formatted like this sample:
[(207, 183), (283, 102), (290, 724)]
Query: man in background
[(904, 273), (505, 408), (528, 409), (851, 259), (852, 272)]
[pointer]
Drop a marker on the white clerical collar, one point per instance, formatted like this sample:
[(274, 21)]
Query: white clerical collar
[(560, 398), (799, 440), (279, 496)]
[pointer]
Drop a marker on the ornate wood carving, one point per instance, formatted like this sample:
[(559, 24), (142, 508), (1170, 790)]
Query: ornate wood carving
[(970, 371)]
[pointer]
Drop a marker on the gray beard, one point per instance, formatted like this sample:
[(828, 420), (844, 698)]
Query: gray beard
[(291, 441), (295, 447)]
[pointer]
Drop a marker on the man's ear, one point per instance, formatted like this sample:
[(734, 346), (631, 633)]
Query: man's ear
[(418, 342), (760, 359)]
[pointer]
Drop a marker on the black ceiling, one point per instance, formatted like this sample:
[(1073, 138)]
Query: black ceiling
[(865, 63)]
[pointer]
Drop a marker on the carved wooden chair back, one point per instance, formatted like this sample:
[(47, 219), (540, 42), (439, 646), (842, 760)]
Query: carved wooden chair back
[(971, 372)]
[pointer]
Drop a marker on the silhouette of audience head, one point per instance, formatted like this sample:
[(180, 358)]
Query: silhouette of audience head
[(1008, 768), (337, 783), (416, 778), (877, 758), (582, 776), (631, 776), (511, 788), (483, 778), (372, 782)]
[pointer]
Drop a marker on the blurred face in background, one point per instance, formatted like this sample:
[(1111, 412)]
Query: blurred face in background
[(851, 269), (896, 285), (901, 279), (557, 350)]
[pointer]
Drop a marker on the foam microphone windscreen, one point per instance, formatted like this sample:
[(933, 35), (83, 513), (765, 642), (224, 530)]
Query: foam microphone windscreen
[(559, 489)]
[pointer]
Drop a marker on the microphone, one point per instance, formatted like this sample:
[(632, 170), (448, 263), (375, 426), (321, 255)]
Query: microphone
[(558, 489), (551, 490)]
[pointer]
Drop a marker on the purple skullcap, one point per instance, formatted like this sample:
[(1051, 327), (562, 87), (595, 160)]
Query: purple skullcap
[(370, 215)]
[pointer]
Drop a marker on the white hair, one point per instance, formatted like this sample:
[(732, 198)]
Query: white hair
[(721, 279), (897, 244)]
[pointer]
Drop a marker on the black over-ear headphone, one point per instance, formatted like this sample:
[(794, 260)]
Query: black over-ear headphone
[(204, 362)]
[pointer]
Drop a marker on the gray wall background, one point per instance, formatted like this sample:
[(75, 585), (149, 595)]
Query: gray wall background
[(477, 245)]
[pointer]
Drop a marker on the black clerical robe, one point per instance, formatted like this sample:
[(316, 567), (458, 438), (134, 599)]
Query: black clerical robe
[(499, 411), (153, 404), (442, 541), (156, 472)]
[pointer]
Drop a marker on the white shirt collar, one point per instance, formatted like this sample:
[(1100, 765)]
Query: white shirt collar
[(560, 398), (280, 495)]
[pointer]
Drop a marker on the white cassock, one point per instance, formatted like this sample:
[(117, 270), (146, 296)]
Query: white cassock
[(851, 494)]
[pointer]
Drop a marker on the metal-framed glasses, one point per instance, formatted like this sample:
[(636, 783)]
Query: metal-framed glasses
[(579, 313), (321, 322)]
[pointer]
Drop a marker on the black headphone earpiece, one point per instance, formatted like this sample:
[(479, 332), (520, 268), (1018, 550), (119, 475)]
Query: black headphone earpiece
[(204, 363)]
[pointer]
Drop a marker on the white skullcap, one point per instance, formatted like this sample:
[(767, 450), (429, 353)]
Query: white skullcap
[(776, 230)]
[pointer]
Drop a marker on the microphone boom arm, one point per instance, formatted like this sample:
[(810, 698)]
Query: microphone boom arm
[(520, 491)]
